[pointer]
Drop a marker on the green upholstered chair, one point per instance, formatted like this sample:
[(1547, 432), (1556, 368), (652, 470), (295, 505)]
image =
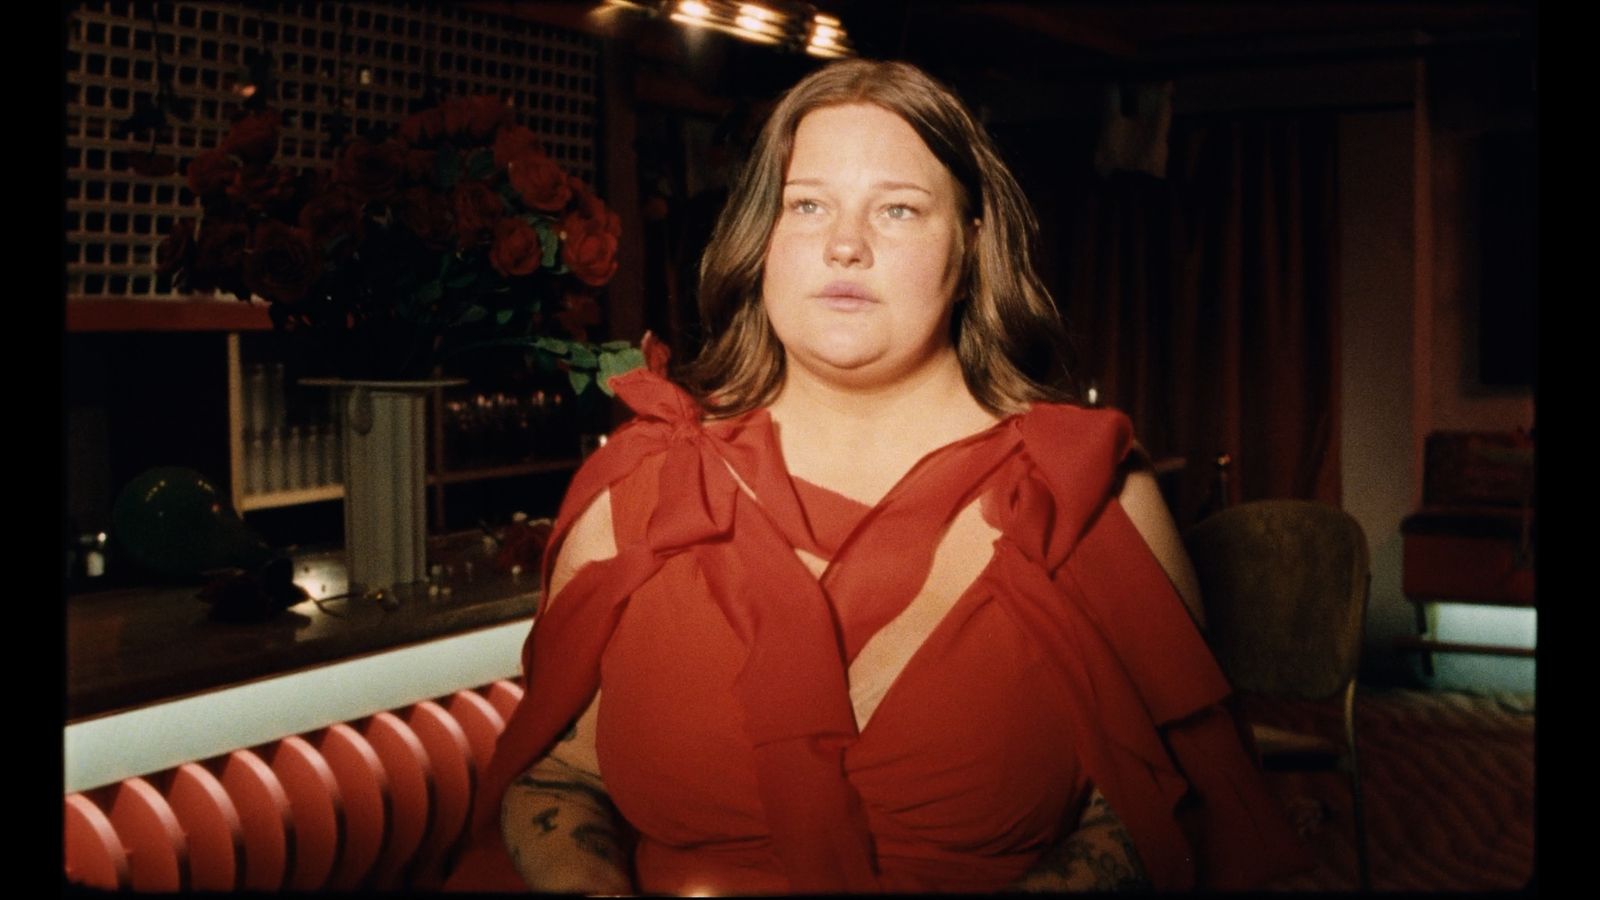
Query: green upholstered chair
[(1285, 586)]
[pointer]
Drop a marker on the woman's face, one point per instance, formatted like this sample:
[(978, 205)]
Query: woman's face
[(862, 268)]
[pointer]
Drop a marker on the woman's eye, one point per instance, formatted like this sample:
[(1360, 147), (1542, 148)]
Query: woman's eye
[(804, 207), (900, 211)]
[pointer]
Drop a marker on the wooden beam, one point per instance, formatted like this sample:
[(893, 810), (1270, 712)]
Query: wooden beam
[(1056, 23), (90, 314)]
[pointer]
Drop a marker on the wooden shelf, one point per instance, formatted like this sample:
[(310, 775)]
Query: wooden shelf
[(294, 497), (96, 314), (511, 470), (274, 499)]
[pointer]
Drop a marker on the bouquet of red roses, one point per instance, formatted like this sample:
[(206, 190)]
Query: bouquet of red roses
[(455, 232)]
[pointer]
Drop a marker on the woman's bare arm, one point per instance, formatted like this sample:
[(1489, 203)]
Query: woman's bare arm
[(557, 820), (560, 827), (1141, 500), (1096, 855)]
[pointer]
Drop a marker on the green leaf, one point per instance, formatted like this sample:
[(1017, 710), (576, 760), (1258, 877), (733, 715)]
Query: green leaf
[(615, 363), (504, 316), (552, 345), (549, 242), (472, 314), (428, 292), (580, 380), (583, 356), (614, 346), (465, 279), (480, 164)]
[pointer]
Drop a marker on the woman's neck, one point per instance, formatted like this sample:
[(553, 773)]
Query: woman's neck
[(860, 441)]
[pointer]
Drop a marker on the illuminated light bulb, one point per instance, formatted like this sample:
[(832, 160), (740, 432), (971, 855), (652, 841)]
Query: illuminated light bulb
[(694, 9), (756, 12), (825, 19), (752, 27), (826, 31)]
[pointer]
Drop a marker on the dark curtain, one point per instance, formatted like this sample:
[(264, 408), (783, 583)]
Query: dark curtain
[(1205, 304)]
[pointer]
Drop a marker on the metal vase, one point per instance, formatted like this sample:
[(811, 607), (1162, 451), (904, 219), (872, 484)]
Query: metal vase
[(383, 430)]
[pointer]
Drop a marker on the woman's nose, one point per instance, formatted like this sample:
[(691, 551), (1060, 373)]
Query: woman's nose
[(847, 243)]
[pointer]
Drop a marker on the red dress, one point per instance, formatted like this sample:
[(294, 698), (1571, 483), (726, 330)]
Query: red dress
[(727, 736)]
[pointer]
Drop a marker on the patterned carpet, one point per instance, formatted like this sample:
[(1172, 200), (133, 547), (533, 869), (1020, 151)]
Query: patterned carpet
[(1448, 782)]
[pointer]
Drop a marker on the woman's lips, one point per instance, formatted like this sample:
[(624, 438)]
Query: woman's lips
[(846, 296)]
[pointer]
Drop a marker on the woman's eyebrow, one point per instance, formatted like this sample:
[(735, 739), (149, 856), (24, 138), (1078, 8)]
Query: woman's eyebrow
[(901, 186), (878, 185)]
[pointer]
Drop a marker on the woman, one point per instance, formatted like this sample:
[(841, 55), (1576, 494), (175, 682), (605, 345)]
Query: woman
[(866, 606)]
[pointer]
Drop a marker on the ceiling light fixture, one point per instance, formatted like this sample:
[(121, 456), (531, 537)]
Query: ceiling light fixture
[(784, 24)]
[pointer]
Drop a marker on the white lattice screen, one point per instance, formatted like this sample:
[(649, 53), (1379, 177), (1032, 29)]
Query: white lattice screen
[(378, 52)]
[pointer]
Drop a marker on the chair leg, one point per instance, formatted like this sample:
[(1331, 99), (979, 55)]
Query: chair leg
[(1422, 631), (1363, 870)]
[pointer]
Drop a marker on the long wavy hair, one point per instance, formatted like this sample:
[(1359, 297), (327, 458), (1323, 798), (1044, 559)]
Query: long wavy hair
[(1008, 334)]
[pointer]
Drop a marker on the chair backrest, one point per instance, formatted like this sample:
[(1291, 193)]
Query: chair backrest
[(1285, 586)]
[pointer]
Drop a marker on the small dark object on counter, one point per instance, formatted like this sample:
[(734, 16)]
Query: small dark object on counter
[(239, 595)]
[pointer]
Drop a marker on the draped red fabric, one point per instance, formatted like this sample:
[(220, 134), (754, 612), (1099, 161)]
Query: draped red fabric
[(1145, 696)]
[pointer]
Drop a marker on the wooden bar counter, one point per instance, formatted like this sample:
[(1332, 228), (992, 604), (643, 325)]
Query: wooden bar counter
[(133, 647)]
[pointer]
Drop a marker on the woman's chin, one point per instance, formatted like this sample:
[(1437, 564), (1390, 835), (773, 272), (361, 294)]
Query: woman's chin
[(841, 359), (861, 368)]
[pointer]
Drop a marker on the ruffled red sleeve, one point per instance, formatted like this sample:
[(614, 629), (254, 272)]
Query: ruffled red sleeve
[(1162, 747)]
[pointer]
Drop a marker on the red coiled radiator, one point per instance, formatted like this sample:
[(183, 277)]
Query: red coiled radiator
[(376, 803)]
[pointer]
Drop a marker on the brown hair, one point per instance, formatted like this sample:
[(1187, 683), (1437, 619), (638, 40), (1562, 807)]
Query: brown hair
[(1007, 332)]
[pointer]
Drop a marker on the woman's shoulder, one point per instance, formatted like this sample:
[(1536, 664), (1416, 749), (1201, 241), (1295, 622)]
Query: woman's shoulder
[(1068, 434)]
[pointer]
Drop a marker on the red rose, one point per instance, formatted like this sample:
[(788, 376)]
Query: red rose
[(423, 126), (476, 117), (331, 214), (283, 264), (579, 313), (516, 247), (371, 170), (513, 141), (589, 249), (539, 181), (477, 208), (254, 138), (219, 255), (211, 172), (425, 213), (261, 187), (175, 251), (421, 164), (592, 207), (522, 544)]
